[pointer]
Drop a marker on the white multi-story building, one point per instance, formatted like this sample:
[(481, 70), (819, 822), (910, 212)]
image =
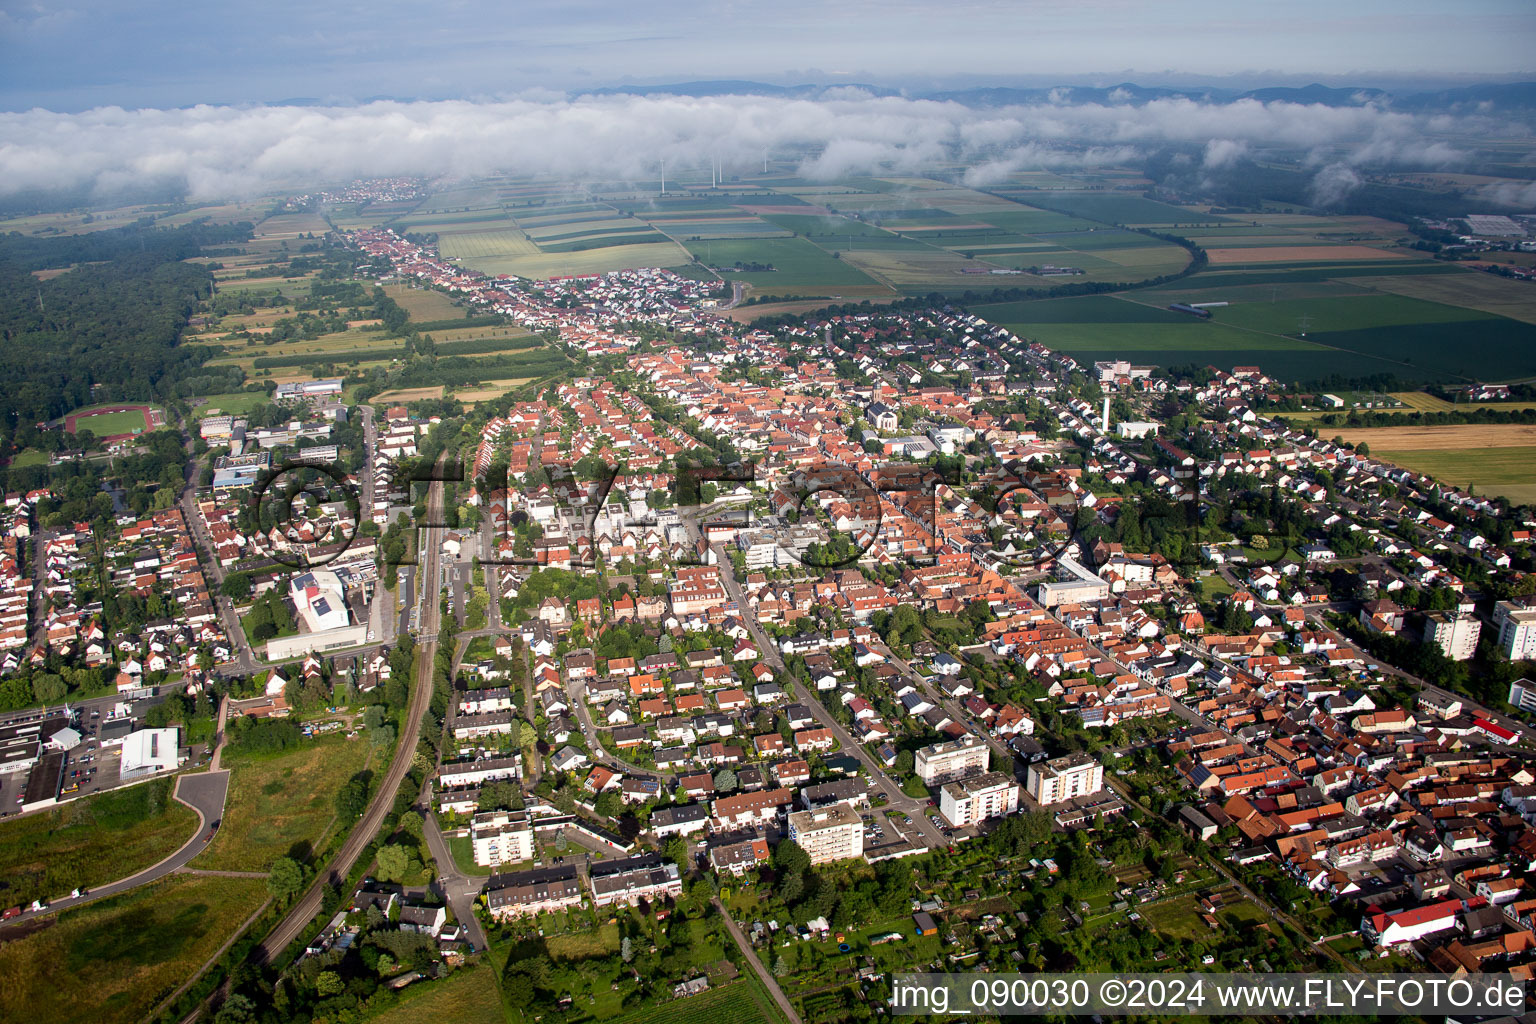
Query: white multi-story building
[(1517, 635), (978, 798), (759, 548), (501, 837), (828, 833), (1454, 633), (945, 762), (1063, 778), (1522, 694)]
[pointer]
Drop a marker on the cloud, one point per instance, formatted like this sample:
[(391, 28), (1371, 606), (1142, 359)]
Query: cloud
[(1333, 184), (218, 151), (1223, 153)]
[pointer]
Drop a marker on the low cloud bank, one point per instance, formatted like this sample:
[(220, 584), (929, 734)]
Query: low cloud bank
[(231, 152)]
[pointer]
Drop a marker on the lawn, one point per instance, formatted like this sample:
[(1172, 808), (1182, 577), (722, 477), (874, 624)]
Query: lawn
[(281, 803), (91, 841), (601, 941), (463, 851), (233, 403), (113, 961), (468, 996), (29, 457)]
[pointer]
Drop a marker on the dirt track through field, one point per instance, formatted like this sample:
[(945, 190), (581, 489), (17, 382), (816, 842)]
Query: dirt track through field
[(1464, 437)]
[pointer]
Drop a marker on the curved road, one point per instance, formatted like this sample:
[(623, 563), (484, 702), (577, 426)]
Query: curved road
[(204, 792)]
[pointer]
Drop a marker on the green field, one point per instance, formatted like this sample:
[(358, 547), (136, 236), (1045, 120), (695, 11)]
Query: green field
[(282, 804), (113, 961), (233, 403), (108, 424), (468, 996), (800, 267), (90, 841), (1123, 209), (1503, 471)]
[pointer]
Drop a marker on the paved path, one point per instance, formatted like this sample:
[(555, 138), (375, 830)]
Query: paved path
[(767, 979)]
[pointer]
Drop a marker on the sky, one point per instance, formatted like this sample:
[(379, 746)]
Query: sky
[(72, 55)]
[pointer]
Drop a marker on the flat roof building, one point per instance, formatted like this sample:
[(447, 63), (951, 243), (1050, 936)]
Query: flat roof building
[(945, 762), (828, 833), (975, 799), (1063, 778), (501, 837), (149, 752)]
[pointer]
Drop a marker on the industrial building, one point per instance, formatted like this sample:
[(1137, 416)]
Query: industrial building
[(149, 752)]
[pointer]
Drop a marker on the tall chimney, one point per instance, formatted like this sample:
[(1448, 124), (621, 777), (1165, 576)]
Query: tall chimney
[(1105, 421)]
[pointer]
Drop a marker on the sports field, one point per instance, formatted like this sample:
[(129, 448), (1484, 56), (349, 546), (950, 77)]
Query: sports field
[(114, 420)]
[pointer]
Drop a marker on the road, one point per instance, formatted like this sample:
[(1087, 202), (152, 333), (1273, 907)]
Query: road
[(757, 965), (298, 919), (453, 885), (204, 792), (918, 810)]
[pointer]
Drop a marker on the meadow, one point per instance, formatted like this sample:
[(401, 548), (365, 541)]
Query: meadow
[(468, 996), (282, 804), (111, 962), (739, 1003), (90, 841)]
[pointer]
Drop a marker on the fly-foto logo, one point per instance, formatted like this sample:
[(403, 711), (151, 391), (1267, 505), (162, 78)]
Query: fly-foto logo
[(825, 516)]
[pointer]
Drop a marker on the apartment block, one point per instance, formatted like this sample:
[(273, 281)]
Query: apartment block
[(977, 798), (1063, 778), (945, 762), (1517, 635), (501, 837), (1454, 633), (828, 833)]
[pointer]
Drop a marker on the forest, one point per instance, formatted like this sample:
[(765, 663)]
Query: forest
[(103, 331)]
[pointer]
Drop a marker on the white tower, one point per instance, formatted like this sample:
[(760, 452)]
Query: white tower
[(1105, 420)]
